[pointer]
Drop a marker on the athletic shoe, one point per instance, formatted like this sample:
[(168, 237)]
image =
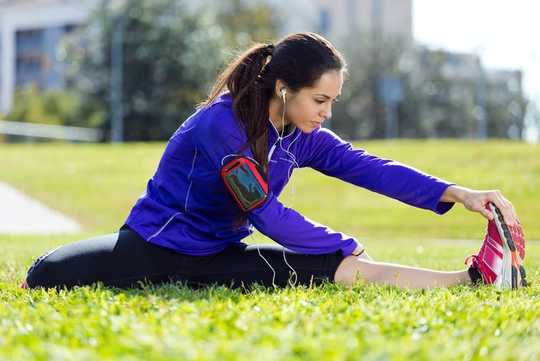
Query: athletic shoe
[(500, 259)]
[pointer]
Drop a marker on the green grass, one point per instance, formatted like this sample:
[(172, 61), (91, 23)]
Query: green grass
[(97, 184)]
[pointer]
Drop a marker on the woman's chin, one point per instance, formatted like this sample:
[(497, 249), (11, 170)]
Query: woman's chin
[(309, 129)]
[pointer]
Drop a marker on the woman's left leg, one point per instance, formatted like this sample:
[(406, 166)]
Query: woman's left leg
[(264, 264), (353, 269)]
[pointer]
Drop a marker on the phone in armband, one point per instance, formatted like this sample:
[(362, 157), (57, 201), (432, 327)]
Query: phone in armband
[(246, 182)]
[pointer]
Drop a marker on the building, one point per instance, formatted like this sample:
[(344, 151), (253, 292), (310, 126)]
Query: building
[(30, 31), (339, 19), (491, 101)]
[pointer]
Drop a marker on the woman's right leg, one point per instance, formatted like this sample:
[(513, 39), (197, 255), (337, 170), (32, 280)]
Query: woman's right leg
[(120, 259), (352, 269)]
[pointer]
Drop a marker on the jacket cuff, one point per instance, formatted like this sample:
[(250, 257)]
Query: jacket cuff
[(442, 207), (349, 248)]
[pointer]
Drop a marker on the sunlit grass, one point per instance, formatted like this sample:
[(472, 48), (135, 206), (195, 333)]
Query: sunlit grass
[(97, 184)]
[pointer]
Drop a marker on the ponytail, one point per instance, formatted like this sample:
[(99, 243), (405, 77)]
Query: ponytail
[(251, 98)]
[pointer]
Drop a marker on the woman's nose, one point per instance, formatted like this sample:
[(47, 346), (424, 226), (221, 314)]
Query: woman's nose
[(327, 112)]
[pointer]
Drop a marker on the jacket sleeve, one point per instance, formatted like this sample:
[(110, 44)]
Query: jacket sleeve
[(331, 155), (296, 232), (224, 138)]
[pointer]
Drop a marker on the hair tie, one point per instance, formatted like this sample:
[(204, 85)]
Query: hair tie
[(268, 49)]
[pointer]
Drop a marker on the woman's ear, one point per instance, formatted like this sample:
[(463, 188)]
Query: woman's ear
[(279, 88)]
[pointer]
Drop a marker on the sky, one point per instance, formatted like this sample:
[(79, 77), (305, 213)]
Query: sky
[(505, 33)]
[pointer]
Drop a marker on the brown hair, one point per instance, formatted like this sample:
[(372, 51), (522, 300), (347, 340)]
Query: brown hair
[(298, 60)]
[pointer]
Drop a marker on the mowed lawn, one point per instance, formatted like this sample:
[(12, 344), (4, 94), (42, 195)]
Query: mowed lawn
[(97, 185)]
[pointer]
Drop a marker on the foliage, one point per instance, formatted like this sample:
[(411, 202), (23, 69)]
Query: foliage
[(360, 111), (46, 107), (172, 51)]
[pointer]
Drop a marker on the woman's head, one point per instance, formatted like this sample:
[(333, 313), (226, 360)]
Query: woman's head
[(305, 65), (308, 107), (310, 69)]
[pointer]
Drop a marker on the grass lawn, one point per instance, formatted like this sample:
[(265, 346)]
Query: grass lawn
[(97, 184)]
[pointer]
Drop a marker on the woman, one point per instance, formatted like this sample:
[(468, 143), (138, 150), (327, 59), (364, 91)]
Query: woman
[(223, 169)]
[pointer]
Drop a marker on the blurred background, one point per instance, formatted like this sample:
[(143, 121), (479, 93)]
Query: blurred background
[(133, 70), (91, 89)]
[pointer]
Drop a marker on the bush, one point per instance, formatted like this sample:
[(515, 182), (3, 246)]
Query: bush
[(61, 107)]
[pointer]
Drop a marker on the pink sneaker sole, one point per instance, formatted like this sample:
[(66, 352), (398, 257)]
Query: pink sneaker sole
[(513, 273)]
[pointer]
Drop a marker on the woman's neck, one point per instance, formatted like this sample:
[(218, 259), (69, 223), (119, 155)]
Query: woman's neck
[(275, 111)]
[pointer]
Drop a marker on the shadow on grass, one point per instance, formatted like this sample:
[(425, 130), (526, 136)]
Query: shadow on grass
[(177, 291)]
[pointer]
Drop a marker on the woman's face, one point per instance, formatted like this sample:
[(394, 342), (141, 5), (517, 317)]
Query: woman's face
[(308, 108)]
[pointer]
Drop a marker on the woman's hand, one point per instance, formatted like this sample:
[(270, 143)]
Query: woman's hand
[(476, 201)]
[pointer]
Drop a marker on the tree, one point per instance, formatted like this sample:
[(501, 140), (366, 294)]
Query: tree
[(445, 94), (172, 51), (360, 113)]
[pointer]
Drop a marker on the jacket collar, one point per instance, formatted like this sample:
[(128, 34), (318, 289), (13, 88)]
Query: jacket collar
[(290, 129), (273, 134)]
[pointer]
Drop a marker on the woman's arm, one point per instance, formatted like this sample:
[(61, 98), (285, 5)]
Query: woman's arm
[(324, 151), (476, 201), (298, 233)]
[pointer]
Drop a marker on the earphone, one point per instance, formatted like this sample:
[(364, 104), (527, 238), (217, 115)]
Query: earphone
[(293, 279), (283, 92)]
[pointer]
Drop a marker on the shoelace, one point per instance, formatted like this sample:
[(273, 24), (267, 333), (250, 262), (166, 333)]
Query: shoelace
[(468, 260)]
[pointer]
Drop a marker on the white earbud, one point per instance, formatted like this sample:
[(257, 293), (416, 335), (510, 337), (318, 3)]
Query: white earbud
[(283, 92)]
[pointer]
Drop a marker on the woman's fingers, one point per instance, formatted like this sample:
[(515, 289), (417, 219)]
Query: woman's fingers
[(486, 213), (505, 206), (512, 211), (477, 201)]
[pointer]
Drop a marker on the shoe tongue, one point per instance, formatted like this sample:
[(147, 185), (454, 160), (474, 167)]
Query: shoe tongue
[(493, 231)]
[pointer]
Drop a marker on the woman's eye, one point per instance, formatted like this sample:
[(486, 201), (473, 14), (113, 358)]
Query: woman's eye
[(322, 101)]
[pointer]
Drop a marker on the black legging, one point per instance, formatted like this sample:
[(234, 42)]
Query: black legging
[(124, 259)]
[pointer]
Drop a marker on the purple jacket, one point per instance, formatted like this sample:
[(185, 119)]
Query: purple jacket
[(186, 206)]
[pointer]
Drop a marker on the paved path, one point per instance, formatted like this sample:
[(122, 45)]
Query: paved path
[(20, 214)]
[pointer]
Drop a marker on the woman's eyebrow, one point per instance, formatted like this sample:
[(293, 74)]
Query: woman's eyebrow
[(327, 96)]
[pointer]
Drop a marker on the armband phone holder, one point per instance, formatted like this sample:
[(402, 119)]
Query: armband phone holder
[(246, 181)]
